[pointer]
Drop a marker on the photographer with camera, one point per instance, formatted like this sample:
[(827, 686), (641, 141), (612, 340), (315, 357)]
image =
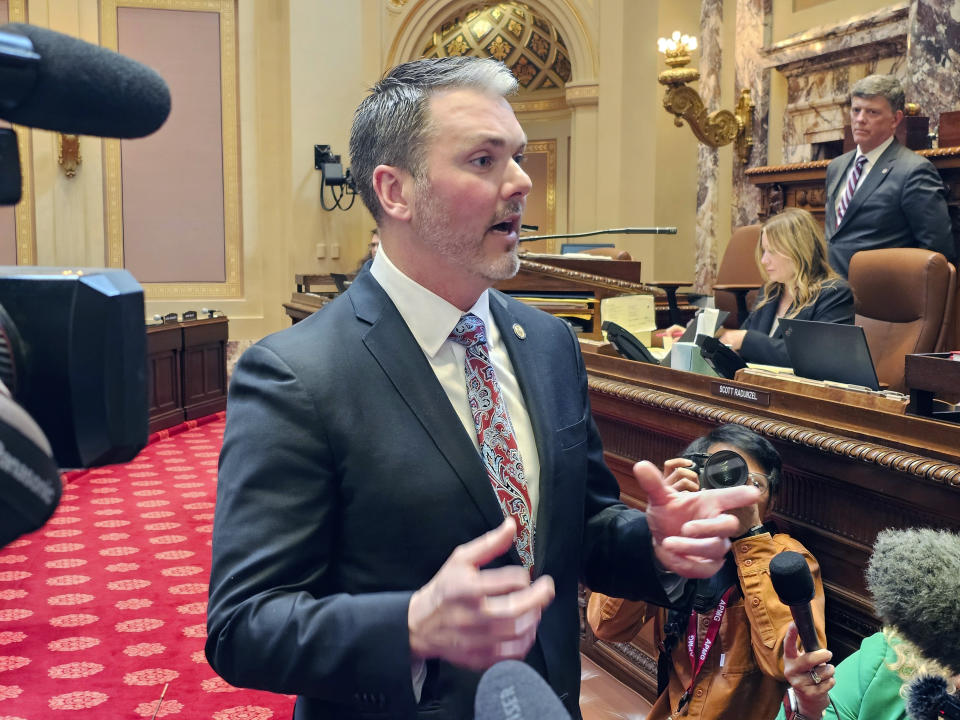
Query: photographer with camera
[(721, 650)]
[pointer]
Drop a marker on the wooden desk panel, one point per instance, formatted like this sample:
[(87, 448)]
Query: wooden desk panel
[(849, 472)]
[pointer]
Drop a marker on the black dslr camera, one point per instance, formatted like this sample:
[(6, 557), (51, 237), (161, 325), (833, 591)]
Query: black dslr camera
[(722, 469)]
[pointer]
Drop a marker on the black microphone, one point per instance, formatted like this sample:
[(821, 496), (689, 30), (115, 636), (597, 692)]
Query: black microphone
[(512, 690), (927, 699), (56, 82), (793, 584)]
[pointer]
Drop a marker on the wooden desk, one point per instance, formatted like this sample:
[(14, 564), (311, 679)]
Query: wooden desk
[(593, 280), (803, 185), (187, 370), (311, 294), (849, 472)]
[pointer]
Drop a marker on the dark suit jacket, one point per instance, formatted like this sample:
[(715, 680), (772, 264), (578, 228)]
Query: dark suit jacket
[(833, 304), (346, 480), (902, 203)]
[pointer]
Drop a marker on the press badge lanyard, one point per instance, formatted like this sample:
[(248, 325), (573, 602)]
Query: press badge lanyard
[(696, 663)]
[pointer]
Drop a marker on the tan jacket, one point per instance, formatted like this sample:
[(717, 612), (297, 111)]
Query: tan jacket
[(750, 682)]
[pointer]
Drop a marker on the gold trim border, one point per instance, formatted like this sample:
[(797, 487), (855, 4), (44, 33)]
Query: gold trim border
[(548, 148), (233, 286), (24, 210)]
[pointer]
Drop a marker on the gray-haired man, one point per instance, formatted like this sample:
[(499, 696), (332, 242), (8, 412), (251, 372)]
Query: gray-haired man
[(881, 194)]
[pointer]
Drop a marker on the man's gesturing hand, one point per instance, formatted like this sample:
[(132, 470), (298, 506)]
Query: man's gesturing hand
[(690, 530), (475, 618)]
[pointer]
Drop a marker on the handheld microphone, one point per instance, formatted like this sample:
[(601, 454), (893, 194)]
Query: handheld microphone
[(793, 584), (56, 82), (928, 699), (512, 690)]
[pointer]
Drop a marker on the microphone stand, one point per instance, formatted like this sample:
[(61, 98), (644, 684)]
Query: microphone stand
[(612, 231)]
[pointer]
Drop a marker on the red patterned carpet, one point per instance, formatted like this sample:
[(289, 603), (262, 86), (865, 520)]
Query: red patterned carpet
[(105, 605)]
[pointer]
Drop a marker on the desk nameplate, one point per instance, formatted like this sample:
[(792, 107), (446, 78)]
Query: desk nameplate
[(718, 388)]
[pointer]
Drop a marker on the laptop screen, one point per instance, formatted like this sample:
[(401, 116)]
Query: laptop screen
[(829, 351)]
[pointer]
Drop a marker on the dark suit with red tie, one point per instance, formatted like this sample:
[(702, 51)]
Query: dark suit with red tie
[(347, 479), (900, 203)]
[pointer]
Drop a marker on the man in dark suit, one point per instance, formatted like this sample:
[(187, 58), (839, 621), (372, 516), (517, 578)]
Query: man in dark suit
[(881, 194), (361, 555)]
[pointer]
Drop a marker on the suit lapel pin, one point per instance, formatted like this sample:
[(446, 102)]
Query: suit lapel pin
[(886, 170), (519, 331)]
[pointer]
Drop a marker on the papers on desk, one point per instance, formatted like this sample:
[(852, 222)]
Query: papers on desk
[(634, 313)]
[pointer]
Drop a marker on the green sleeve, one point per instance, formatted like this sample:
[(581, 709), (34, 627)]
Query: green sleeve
[(866, 688)]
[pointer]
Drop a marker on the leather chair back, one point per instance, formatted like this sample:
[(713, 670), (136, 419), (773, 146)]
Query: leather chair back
[(738, 275), (905, 303)]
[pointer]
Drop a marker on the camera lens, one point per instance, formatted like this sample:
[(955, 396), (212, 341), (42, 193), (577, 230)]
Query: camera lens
[(724, 469)]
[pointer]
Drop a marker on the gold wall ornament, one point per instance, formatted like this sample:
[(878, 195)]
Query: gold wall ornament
[(716, 129), (68, 153)]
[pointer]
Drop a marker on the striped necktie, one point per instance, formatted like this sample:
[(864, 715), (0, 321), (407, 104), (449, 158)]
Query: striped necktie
[(498, 444), (851, 187)]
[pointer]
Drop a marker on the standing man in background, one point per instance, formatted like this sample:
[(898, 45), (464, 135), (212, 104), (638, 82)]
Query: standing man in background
[(881, 194), (411, 482)]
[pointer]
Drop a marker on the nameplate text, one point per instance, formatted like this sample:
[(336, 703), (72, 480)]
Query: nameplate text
[(736, 392)]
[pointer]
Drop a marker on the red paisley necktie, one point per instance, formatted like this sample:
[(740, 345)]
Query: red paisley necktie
[(498, 444)]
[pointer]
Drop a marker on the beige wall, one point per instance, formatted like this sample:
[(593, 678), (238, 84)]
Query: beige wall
[(787, 21), (303, 67)]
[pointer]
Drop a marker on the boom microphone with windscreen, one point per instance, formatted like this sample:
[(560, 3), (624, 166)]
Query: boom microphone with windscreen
[(793, 584), (56, 82), (512, 690), (927, 699), (914, 578)]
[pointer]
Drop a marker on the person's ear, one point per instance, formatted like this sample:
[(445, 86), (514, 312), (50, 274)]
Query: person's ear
[(898, 118), (394, 188)]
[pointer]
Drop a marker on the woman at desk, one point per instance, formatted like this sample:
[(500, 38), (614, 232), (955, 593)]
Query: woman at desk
[(798, 283)]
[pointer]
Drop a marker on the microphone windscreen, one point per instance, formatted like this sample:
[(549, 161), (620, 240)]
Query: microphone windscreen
[(512, 690), (85, 89), (914, 578), (791, 578), (924, 697)]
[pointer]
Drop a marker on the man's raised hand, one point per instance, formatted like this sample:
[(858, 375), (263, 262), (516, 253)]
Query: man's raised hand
[(690, 530), (473, 617)]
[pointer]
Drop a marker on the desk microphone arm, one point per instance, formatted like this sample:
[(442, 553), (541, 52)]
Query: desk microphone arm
[(616, 231)]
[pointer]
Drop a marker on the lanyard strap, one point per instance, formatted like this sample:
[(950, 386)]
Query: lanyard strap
[(696, 662)]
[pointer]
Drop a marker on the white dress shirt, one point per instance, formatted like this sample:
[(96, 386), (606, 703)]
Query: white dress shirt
[(431, 319), (872, 158)]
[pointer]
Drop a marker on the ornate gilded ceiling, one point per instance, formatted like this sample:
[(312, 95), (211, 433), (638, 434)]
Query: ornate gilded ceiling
[(512, 33)]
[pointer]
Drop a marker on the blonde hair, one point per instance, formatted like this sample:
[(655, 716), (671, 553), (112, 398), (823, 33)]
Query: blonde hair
[(910, 663), (795, 234)]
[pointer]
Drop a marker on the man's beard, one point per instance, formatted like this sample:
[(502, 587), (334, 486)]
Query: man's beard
[(458, 246)]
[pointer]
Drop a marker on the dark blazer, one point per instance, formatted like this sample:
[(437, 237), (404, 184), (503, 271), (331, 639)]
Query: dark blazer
[(834, 304), (347, 479), (902, 204)]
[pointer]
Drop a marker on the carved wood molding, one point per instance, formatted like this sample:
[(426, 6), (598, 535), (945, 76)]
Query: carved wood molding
[(598, 280), (918, 466), (770, 169)]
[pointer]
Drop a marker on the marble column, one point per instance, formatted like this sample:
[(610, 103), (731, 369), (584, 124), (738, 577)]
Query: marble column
[(705, 268), (933, 57), (753, 22)]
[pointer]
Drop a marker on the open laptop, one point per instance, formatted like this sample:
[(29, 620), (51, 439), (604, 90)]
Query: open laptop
[(829, 351)]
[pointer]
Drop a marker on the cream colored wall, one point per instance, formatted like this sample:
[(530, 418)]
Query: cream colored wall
[(675, 171), (787, 21), (68, 211), (304, 65)]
